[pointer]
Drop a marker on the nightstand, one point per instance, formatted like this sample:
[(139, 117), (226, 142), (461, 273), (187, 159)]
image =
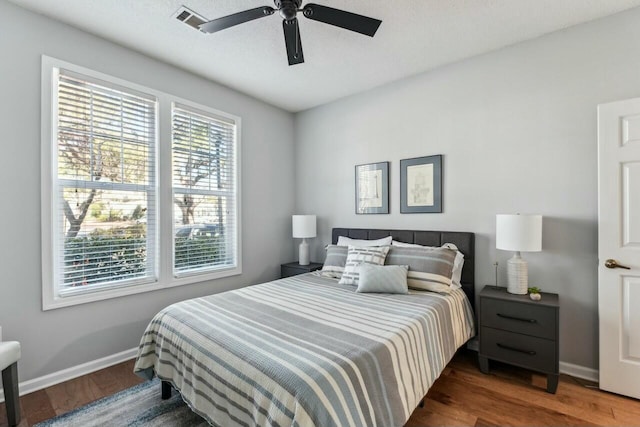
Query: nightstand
[(517, 330), (293, 269)]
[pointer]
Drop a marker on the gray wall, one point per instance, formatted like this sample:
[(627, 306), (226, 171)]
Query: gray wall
[(517, 128), (66, 337)]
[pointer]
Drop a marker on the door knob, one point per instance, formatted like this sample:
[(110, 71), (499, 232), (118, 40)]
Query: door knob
[(612, 263)]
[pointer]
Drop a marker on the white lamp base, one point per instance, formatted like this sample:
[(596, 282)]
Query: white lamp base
[(517, 275), (303, 253)]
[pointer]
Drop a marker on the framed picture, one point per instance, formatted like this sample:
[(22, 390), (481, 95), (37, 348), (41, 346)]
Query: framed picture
[(421, 185), (372, 188)]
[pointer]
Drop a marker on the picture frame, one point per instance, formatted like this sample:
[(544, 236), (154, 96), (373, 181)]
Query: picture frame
[(372, 188), (421, 185)]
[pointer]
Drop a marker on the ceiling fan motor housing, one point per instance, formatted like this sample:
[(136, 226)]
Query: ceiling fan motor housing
[(288, 8)]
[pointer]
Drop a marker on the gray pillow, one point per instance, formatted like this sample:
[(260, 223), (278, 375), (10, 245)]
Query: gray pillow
[(389, 279), (335, 261)]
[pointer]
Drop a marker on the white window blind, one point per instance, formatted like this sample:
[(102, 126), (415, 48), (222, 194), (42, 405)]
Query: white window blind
[(204, 191), (105, 201)]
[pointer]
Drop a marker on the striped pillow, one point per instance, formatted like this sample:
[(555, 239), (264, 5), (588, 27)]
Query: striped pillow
[(457, 264), (430, 268), (335, 261), (374, 255)]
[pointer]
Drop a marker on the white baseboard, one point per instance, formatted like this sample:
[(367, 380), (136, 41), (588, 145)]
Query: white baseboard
[(54, 378), (579, 371)]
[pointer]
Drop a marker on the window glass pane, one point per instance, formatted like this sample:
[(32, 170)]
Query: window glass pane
[(103, 134), (203, 153), (105, 236), (204, 236)]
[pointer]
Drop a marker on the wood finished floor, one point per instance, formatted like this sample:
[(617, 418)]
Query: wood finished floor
[(462, 396)]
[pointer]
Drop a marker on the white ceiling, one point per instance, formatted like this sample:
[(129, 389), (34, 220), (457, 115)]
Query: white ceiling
[(415, 36)]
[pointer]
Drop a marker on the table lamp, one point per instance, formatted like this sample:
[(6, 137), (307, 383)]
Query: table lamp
[(519, 233), (304, 227)]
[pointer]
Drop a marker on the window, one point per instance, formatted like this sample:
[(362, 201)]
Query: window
[(104, 175), (105, 184), (204, 184)]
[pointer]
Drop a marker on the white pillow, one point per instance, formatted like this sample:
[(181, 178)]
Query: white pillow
[(358, 255), (346, 241), (458, 263), (405, 245)]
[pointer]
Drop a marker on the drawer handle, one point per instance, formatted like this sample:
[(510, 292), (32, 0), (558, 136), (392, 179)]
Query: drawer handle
[(519, 350), (521, 319)]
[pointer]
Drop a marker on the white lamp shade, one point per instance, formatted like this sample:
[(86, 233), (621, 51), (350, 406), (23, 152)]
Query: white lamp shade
[(304, 226), (522, 233)]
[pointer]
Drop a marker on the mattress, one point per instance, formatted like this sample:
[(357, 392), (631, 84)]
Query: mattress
[(305, 351)]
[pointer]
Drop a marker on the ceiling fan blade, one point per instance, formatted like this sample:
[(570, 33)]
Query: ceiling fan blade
[(236, 18), (343, 19), (293, 42)]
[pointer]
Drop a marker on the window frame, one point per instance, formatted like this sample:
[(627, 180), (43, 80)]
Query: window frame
[(163, 236)]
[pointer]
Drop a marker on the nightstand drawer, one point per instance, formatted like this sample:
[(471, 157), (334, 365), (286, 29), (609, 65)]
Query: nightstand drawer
[(529, 319), (531, 352), (286, 271)]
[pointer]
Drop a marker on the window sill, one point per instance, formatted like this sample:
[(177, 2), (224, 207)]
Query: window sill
[(51, 302)]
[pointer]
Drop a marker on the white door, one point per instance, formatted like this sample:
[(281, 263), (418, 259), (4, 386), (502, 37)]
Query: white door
[(619, 246)]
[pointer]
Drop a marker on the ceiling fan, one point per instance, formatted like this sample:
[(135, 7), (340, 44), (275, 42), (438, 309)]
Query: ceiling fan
[(289, 9)]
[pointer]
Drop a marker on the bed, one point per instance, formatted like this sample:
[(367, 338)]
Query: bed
[(307, 351)]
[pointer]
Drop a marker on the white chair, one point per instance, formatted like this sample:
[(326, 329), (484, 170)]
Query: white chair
[(9, 356)]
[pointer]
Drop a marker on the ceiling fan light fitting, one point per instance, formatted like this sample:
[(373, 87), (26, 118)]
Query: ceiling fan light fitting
[(288, 9), (287, 15)]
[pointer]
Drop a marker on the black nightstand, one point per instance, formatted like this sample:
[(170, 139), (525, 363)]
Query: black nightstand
[(517, 330), (293, 269)]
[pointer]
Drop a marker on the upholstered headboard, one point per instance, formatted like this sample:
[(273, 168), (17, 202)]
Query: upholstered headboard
[(465, 242)]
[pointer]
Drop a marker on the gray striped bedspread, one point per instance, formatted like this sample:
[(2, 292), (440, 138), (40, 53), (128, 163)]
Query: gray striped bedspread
[(305, 351)]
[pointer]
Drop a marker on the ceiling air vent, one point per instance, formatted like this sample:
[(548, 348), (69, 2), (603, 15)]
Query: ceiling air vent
[(189, 17)]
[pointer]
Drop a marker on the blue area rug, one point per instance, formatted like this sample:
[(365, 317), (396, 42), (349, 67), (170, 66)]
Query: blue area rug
[(136, 406)]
